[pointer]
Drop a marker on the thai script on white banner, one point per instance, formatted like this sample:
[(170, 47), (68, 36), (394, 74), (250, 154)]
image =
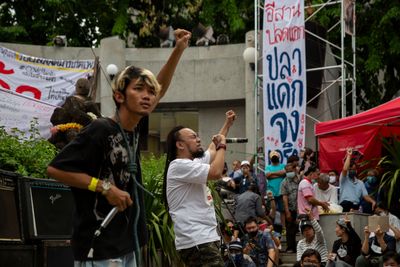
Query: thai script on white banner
[(284, 77), (48, 80), (17, 111)]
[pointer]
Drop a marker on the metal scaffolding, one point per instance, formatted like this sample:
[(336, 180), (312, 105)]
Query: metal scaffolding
[(343, 50)]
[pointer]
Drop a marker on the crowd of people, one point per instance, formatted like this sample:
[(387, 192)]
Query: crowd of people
[(289, 202), (102, 166)]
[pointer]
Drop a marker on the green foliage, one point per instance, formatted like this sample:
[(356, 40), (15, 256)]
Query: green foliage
[(161, 246), (390, 164), (28, 156), (378, 51), (85, 23)]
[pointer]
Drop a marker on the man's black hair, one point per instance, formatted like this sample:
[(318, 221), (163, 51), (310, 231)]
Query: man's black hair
[(253, 187), (293, 158), (312, 168), (172, 137), (311, 252), (391, 255), (334, 171), (250, 220)]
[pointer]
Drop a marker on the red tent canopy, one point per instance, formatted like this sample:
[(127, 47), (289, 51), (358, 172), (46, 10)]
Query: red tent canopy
[(362, 131)]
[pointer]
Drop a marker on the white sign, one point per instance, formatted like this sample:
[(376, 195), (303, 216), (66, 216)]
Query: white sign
[(284, 77), (17, 111), (48, 80)]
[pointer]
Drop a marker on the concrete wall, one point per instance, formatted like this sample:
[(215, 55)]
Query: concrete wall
[(210, 122), (208, 80), (203, 74), (328, 224)]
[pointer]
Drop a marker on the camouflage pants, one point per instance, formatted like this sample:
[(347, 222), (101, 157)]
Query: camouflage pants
[(205, 255)]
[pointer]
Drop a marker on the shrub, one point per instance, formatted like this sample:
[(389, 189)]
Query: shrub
[(26, 155)]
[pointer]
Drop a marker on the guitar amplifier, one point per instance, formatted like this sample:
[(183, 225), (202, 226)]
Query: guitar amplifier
[(56, 253), (48, 207), (18, 255), (10, 213)]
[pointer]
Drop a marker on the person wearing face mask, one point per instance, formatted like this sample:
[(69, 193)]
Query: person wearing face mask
[(333, 178), (289, 189), (375, 244), (371, 183), (236, 258), (394, 222), (352, 190), (275, 173), (259, 245)]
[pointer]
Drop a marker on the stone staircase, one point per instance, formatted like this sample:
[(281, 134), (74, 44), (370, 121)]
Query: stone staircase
[(287, 259)]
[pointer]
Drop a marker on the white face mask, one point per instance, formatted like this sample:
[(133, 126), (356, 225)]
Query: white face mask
[(332, 179), (382, 213), (290, 175)]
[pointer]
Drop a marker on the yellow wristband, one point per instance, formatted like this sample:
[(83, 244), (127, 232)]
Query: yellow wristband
[(93, 184)]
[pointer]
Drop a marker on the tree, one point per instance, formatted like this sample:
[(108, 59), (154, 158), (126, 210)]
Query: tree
[(378, 51), (37, 22), (85, 23)]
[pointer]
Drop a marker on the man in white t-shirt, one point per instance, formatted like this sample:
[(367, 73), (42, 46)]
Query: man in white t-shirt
[(324, 191), (190, 203)]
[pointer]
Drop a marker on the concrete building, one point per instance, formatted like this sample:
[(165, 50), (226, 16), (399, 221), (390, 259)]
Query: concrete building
[(208, 81)]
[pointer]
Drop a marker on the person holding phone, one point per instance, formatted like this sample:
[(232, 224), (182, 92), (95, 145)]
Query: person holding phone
[(374, 246), (352, 190)]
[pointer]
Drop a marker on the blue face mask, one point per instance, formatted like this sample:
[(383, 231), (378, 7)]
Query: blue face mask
[(352, 173), (238, 259), (371, 179)]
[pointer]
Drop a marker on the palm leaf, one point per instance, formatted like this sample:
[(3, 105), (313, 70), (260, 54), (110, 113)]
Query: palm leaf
[(390, 164)]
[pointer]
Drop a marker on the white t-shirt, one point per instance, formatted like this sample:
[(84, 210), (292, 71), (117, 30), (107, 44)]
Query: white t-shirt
[(328, 195), (190, 202)]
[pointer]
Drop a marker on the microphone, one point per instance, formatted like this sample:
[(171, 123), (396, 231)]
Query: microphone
[(106, 221), (236, 140), (103, 225)]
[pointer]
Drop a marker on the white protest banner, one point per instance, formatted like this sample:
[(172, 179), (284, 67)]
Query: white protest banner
[(48, 80), (284, 77), (17, 111)]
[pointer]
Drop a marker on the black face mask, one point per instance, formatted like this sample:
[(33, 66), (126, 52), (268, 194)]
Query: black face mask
[(252, 234), (352, 174), (275, 159)]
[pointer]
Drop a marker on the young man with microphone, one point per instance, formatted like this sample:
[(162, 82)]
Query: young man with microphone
[(188, 168), (102, 167)]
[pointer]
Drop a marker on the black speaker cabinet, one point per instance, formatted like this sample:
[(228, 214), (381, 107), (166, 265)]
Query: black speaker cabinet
[(18, 255), (48, 207), (56, 253), (10, 213)]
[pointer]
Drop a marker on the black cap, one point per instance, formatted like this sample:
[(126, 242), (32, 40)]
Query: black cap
[(235, 245), (304, 223)]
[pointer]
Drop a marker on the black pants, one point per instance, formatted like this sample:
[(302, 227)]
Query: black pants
[(291, 230), (348, 205)]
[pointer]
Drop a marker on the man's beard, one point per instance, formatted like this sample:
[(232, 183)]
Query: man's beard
[(198, 153)]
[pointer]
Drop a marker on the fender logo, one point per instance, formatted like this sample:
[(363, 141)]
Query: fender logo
[(54, 198)]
